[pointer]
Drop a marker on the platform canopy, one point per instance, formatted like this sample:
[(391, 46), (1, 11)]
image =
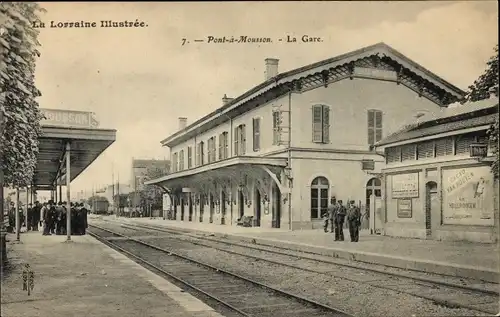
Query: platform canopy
[(86, 143)]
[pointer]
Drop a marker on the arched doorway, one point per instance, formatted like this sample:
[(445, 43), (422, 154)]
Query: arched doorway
[(373, 187), (257, 206), (319, 197), (202, 206), (276, 212), (241, 204), (431, 206), (223, 208), (176, 199), (183, 209), (190, 206), (212, 209)]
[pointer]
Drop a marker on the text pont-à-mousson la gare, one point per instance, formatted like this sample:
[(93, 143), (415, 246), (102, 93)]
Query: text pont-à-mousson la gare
[(92, 24)]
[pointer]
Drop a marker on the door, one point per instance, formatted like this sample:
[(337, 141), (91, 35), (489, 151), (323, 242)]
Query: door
[(182, 208), (276, 207), (190, 207), (212, 208), (241, 204), (375, 218), (223, 208), (431, 208), (176, 207), (257, 208), (202, 206)]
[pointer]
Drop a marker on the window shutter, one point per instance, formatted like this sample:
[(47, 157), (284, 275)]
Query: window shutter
[(256, 134), (243, 140), (276, 131), (317, 124), (214, 149), (221, 144), (226, 145), (236, 137), (378, 126), (371, 127), (326, 124)]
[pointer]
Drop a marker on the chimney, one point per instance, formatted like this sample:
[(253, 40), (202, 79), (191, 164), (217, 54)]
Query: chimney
[(226, 100), (271, 67), (182, 123), (493, 92)]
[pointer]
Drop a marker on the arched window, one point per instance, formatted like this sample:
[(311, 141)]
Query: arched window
[(319, 197)]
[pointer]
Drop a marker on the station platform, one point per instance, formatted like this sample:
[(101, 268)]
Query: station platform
[(463, 259), (86, 278)]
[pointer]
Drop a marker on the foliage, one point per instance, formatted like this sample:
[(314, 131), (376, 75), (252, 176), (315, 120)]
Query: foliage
[(481, 90), (18, 93), (152, 194), (121, 200), (494, 137)]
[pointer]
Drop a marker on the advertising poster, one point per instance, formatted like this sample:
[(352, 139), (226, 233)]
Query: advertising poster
[(468, 196), (405, 185)]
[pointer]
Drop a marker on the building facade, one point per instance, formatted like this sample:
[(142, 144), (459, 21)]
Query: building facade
[(281, 150), (438, 183)]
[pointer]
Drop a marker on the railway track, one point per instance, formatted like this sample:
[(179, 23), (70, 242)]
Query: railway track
[(239, 294), (441, 292)]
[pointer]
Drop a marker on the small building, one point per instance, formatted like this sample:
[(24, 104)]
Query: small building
[(437, 182), (281, 150)]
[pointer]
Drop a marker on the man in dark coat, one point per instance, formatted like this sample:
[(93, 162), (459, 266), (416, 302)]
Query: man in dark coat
[(354, 221), (35, 216), (339, 221), (48, 218), (83, 215)]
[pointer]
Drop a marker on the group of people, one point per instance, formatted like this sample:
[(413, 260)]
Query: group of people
[(336, 216), (53, 218)]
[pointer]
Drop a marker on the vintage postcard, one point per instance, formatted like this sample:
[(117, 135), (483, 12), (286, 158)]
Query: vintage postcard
[(249, 158)]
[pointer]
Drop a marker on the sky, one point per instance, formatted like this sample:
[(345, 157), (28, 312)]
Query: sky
[(140, 80)]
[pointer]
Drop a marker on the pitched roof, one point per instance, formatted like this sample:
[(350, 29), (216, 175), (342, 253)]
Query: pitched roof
[(469, 115), (380, 49)]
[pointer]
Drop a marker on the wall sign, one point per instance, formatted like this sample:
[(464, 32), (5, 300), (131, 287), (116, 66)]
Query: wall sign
[(69, 118), (467, 195), (404, 208), (478, 150), (405, 185)]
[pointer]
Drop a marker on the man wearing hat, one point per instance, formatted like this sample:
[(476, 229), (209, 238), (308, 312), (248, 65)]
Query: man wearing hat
[(354, 221), (48, 218), (339, 221)]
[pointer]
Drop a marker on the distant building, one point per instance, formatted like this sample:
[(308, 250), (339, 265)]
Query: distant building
[(141, 168), (437, 182)]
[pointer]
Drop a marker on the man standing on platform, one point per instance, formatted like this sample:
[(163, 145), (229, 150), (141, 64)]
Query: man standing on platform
[(354, 221), (339, 222), (83, 215), (29, 217), (332, 208), (47, 215), (35, 216)]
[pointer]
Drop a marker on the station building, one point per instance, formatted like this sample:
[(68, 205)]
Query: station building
[(438, 182), (279, 151)]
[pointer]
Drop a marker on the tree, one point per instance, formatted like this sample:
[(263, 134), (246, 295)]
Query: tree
[(489, 79), (20, 126), (19, 112), (152, 194), (481, 90)]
